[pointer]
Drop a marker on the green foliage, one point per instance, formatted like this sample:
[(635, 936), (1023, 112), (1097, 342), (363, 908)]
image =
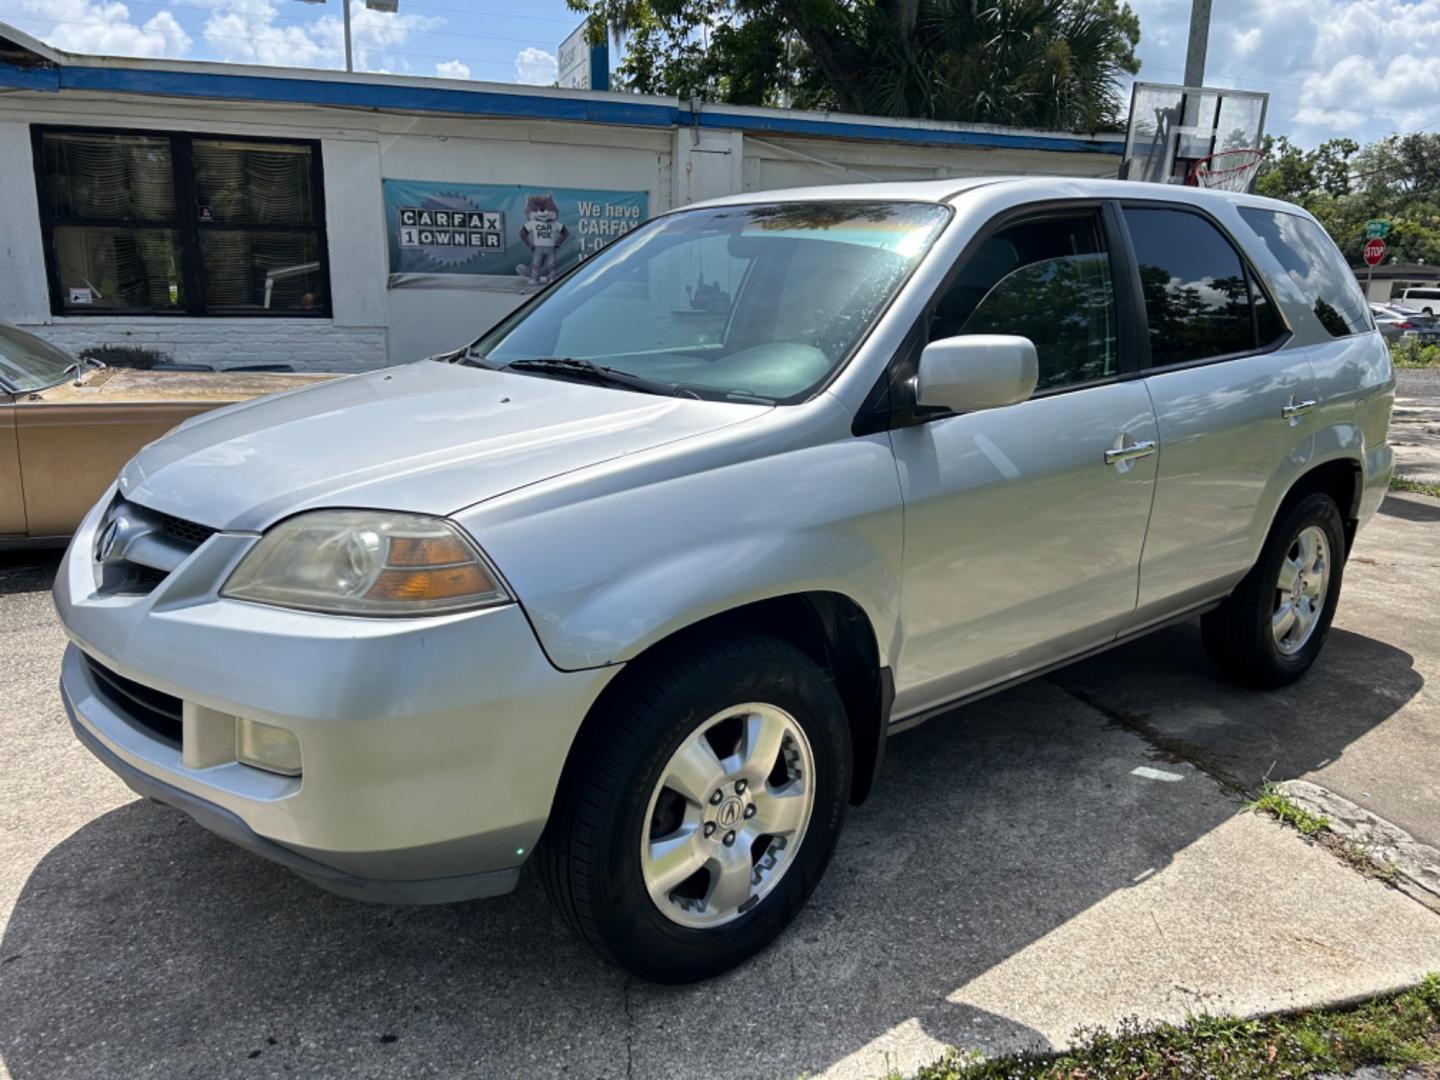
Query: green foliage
[(1344, 186), (1274, 802), (1409, 353), (1394, 1031), (1032, 63), (1415, 487)]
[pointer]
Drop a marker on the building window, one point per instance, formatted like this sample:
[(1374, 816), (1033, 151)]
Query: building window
[(138, 223)]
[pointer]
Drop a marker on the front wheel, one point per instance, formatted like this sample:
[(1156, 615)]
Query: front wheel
[(1273, 626), (700, 808)]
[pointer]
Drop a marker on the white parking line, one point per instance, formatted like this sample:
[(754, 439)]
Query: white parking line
[(1156, 774)]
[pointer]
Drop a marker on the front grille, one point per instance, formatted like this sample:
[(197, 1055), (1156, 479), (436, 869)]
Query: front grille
[(189, 533), (122, 575), (157, 714)]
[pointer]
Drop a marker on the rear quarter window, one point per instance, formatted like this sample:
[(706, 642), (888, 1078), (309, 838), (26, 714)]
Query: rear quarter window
[(1316, 266)]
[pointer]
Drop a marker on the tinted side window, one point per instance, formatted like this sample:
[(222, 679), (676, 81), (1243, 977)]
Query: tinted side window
[(1197, 299), (1047, 280), (1311, 259)]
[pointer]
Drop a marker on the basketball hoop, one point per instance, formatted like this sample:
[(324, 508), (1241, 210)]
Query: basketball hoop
[(1229, 170)]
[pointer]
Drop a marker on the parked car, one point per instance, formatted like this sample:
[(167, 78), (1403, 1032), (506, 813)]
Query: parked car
[(1404, 312), (640, 592), (68, 425), (1427, 299), (1395, 323)]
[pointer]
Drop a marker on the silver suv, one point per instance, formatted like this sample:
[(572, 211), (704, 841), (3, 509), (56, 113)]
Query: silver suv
[(639, 582)]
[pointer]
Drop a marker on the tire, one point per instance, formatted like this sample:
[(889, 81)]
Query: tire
[(1240, 635), (612, 807)]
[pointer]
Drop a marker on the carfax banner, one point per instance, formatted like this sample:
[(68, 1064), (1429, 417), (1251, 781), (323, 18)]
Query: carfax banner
[(506, 237)]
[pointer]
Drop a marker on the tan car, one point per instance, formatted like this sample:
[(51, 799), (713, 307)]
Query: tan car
[(68, 425)]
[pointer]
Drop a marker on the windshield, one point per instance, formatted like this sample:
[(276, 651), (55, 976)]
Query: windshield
[(739, 302), (27, 363)]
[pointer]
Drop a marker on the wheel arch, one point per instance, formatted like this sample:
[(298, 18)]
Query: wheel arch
[(832, 629), (1342, 478)]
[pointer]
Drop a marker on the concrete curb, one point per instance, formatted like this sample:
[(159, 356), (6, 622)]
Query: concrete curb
[(1416, 866)]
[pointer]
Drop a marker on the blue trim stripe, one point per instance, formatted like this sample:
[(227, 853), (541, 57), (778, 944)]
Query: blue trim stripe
[(364, 95), (30, 78), (477, 102), (788, 125)]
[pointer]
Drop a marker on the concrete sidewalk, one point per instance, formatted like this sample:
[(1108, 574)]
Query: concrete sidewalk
[(1024, 867)]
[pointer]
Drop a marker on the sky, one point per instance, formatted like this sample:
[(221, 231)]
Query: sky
[(1357, 68)]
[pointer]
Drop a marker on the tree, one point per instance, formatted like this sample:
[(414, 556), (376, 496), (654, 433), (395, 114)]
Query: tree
[(1297, 175), (1032, 63), (1396, 179)]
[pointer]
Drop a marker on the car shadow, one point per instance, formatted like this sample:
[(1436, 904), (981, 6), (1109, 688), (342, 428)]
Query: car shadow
[(1163, 686), (27, 570), (1410, 509), (141, 943)]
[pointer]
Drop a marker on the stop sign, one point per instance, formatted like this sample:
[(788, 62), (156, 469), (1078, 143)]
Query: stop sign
[(1374, 251)]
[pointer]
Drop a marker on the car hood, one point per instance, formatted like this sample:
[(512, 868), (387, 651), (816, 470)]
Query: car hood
[(428, 437)]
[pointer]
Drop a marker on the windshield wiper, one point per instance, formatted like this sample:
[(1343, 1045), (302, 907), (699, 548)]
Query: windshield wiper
[(78, 368), (465, 355), (570, 367)]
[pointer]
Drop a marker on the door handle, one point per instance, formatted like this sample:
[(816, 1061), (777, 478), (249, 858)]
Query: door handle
[(1133, 452), (1297, 408)]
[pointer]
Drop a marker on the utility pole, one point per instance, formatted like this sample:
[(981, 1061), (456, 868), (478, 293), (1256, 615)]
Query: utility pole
[(390, 7), (350, 63), (1199, 41)]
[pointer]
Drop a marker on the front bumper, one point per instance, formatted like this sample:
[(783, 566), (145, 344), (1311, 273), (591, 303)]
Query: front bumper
[(430, 748)]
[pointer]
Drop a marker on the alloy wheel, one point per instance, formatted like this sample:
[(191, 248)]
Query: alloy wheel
[(728, 815), (1300, 590)]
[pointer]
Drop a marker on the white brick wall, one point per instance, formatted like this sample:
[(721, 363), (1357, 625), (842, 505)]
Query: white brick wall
[(306, 344)]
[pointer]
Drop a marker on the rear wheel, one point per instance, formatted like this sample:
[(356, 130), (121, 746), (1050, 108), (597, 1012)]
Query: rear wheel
[(700, 809), (1273, 626)]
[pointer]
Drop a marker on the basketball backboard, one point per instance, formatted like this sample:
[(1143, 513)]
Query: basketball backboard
[(1172, 127)]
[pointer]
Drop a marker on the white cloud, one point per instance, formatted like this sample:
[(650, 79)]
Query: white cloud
[(535, 66), (247, 31), (106, 28), (452, 69), (1357, 68), (1243, 42)]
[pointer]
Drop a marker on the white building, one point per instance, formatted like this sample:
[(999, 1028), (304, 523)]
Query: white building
[(226, 214)]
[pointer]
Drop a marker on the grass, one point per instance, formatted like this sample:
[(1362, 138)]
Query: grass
[(1392, 1032), (1411, 354), (1275, 803), (1417, 487)]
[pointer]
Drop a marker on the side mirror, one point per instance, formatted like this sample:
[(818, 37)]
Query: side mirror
[(977, 371)]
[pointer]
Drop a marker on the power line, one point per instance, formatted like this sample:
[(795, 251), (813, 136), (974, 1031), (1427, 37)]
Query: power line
[(409, 7), (375, 49), (410, 30)]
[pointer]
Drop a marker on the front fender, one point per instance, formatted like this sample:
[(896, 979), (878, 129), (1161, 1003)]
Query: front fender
[(605, 575)]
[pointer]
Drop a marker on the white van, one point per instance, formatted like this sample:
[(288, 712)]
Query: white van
[(1426, 299)]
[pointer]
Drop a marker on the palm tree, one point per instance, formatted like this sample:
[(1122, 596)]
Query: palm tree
[(1032, 63)]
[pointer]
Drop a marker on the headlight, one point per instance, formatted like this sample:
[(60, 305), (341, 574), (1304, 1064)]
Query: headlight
[(366, 562)]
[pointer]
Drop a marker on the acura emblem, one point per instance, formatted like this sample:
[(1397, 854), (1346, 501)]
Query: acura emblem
[(110, 540), (730, 812)]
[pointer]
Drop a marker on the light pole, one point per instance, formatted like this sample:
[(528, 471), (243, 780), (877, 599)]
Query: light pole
[(1199, 42), (390, 7)]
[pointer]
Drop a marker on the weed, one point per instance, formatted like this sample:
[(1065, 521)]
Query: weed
[(1418, 487), (1276, 803), (1395, 1031)]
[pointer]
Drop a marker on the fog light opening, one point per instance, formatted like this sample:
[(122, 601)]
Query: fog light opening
[(265, 746)]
